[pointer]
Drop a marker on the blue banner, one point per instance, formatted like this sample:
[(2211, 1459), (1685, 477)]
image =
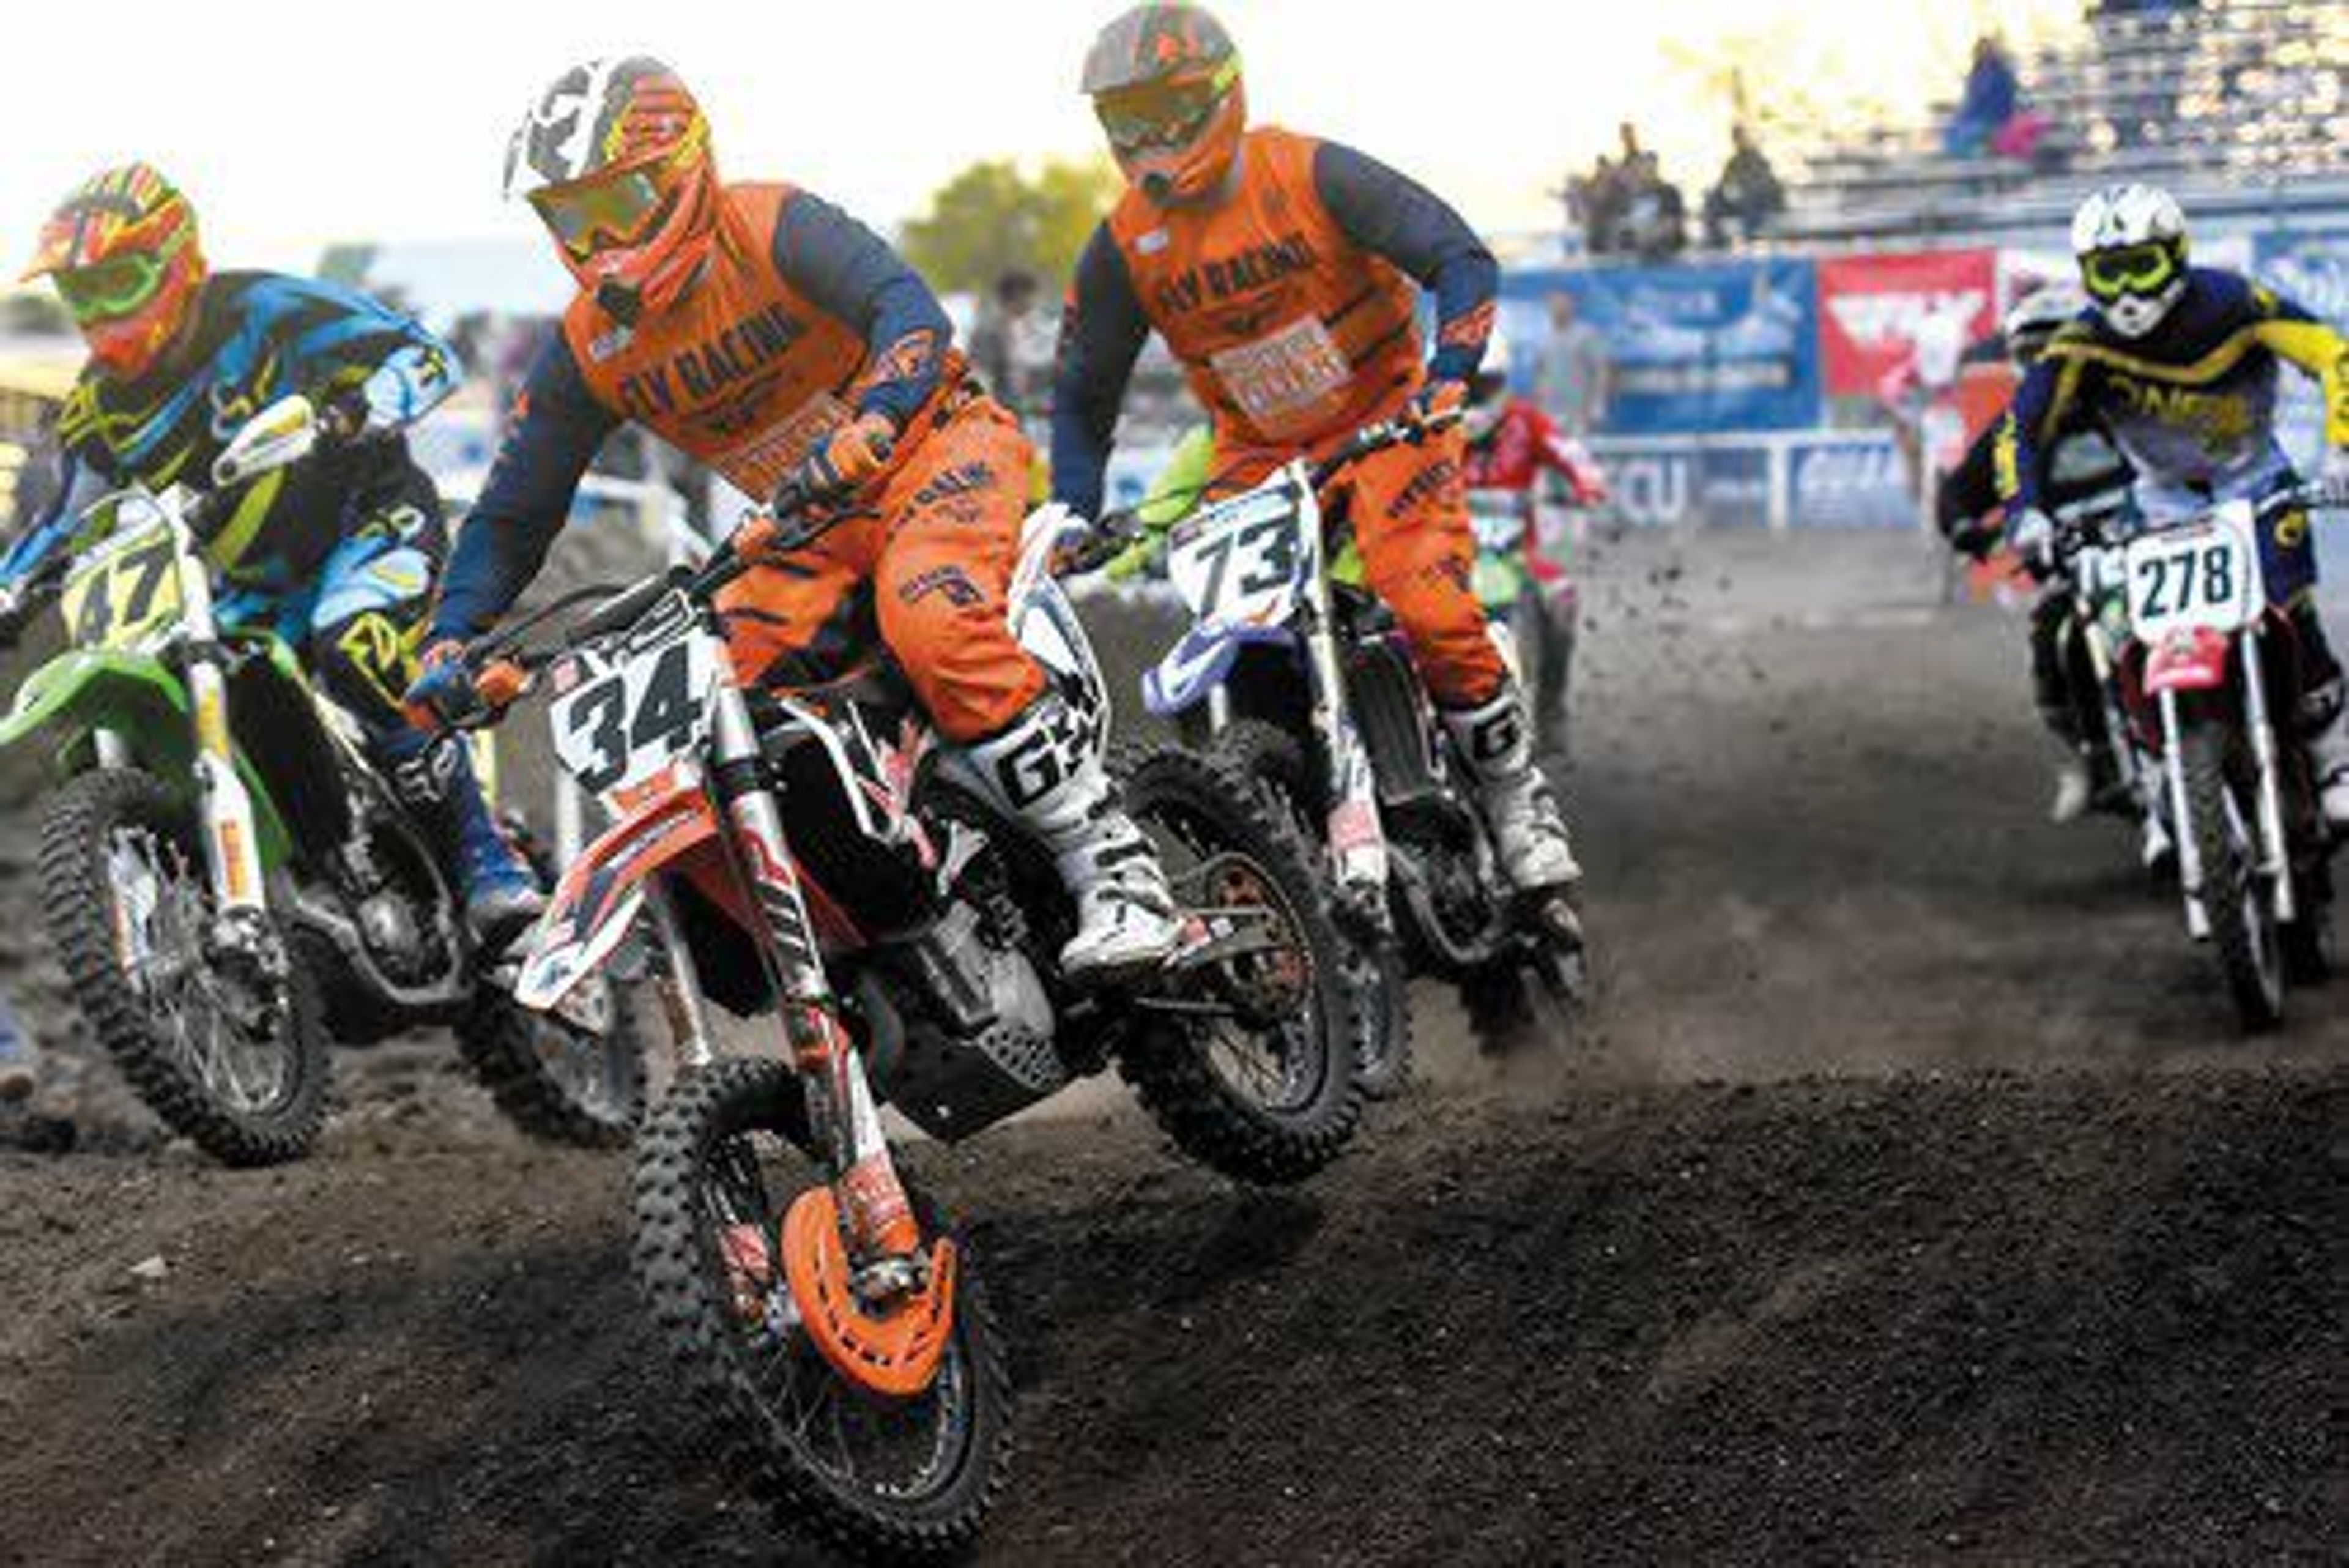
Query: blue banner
[(1665, 484), (1699, 347), (2313, 271), (1849, 481)]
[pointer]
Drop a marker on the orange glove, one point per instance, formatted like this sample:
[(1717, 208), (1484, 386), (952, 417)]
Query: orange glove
[(846, 461), (1439, 404)]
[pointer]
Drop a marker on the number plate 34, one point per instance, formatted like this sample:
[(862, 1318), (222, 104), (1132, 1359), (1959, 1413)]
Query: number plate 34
[(2204, 577), (624, 713)]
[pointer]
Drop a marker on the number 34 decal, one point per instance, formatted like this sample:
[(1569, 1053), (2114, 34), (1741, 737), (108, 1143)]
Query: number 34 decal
[(625, 723)]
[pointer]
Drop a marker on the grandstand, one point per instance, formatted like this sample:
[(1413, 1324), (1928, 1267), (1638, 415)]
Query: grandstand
[(2239, 106)]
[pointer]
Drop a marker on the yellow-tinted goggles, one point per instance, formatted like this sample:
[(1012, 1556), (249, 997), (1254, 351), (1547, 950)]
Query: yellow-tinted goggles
[(1163, 114), (2130, 269), (609, 213), (116, 286)]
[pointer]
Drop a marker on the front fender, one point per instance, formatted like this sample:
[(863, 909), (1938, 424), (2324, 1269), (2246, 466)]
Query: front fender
[(597, 900), (1198, 664), (2192, 660), (135, 697)]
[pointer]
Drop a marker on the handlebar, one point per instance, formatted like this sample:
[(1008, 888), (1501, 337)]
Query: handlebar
[(1121, 528)]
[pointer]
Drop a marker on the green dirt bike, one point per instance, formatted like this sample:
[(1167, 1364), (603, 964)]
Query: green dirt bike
[(228, 882)]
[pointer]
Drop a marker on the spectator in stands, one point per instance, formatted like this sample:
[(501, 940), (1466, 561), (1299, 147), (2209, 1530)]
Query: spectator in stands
[(1993, 92), (1573, 373), (1748, 195), (1013, 343), (1654, 221)]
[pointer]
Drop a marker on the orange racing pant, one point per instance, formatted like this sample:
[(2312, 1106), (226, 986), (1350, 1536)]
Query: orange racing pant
[(927, 562), (1408, 506)]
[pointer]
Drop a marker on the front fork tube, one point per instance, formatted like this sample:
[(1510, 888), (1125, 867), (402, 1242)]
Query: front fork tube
[(2190, 847), (1357, 843), (2128, 765), (679, 985), (841, 1113), (234, 857), (2275, 861)]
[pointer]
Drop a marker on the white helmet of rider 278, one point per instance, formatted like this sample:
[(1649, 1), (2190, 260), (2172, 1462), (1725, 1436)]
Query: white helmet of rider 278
[(2131, 243)]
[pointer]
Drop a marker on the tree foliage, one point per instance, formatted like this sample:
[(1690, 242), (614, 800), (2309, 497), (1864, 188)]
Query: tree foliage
[(993, 218)]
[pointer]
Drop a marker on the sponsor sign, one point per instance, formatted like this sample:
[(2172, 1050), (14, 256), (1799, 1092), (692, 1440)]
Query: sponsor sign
[(1878, 313), (1847, 482), (1706, 346), (1669, 485)]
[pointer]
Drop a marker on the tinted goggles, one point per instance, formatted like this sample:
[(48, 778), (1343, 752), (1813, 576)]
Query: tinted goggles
[(1162, 114), (610, 213), (2129, 269), (118, 286)]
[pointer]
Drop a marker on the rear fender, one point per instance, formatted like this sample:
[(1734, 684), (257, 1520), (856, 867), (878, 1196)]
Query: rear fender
[(2192, 660), (132, 696), (602, 892)]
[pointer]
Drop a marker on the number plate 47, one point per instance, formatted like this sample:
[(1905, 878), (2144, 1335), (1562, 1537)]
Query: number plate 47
[(2201, 578), (625, 714)]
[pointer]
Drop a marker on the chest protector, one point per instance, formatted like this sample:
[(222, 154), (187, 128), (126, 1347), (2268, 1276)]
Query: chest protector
[(744, 372), (1289, 333)]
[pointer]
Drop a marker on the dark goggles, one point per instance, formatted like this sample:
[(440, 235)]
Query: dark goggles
[(117, 287), (1163, 114), (610, 213), (2143, 269)]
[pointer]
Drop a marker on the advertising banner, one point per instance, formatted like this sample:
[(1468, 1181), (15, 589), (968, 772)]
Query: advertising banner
[(1657, 484), (1877, 312), (1854, 481), (1702, 347)]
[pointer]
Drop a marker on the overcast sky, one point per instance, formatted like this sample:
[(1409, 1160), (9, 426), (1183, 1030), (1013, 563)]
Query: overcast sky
[(293, 124)]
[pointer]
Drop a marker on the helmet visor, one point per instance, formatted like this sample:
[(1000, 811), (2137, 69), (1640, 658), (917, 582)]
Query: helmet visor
[(2141, 269), (1163, 114), (117, 287), (610, 213)]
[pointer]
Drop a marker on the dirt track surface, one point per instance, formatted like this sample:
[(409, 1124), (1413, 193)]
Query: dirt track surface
[(1906, 1197)]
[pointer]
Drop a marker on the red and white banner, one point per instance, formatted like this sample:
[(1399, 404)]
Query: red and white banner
[(1878, 312)]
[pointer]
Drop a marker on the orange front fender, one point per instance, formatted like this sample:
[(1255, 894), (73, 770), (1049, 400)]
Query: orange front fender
[(601, 893)]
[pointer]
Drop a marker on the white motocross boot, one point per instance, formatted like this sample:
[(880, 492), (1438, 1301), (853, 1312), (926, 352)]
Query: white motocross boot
[(1495, 746), (1042, 773), (2074, 787), (2328, 759)]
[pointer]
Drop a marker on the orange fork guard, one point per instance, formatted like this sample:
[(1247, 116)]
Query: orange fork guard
[(896, 1355)]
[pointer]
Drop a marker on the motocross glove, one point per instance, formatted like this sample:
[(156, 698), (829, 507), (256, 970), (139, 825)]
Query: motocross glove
[(1975, 537), (2335, 474), (2031, 534), (1441, 401), (444, 695), (846, 459)]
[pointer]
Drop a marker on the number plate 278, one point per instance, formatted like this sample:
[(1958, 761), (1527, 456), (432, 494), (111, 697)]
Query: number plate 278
[(2193, 580)]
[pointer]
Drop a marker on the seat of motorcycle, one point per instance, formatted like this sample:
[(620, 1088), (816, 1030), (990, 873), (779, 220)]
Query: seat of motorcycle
[(876, 686)]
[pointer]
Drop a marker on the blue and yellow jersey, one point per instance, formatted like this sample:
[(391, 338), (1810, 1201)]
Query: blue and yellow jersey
[(2192, 402), (256, 337)]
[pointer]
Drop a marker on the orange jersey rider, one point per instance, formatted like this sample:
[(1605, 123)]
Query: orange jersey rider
[(774, 338), (1284, 274)]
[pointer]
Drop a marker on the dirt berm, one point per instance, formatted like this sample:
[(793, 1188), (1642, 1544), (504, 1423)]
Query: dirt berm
[(1906, 1198)]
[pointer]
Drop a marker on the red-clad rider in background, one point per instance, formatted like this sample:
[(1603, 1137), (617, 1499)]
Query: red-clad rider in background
[(1514, 446)]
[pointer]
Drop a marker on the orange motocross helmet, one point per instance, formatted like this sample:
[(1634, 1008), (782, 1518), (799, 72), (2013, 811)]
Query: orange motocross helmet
[(122, 251), (614, 155), (1165, 83)]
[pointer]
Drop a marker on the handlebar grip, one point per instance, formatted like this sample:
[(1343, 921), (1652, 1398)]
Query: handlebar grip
[(500, 683)]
